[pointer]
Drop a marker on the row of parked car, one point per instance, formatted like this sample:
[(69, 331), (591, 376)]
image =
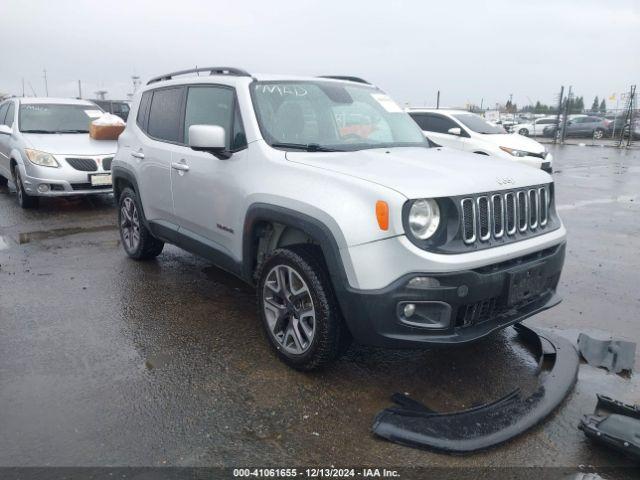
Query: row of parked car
[(345, 212), (579, 125)]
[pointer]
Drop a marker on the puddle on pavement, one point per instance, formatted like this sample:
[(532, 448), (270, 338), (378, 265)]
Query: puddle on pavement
[(26, 237)]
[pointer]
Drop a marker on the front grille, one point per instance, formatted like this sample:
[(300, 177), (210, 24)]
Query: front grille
[(88, 186), (83, 164), (493, 216), (106, 163)]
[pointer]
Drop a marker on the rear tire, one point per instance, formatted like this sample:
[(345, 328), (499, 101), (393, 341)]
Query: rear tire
[(25, 200), (598, 133), (524, 132), (298, 308), (137, 240)]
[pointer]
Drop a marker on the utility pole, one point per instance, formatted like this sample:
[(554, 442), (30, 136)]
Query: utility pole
[(438, 100), (46, 86), (555, 137), (79, 89), (567, 104)]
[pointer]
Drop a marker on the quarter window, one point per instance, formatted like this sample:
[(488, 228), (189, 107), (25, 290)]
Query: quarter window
[(164, 114), (143, 110), (3, 111)]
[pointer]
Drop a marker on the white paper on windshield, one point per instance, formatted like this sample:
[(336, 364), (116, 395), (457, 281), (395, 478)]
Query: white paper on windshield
[(386, 103), (93, 113)]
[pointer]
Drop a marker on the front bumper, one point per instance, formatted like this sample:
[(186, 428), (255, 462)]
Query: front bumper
[(63, 181), (475, 302)]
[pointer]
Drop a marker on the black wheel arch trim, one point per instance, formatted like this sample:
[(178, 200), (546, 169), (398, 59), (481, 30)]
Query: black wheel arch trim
[(314, 228)]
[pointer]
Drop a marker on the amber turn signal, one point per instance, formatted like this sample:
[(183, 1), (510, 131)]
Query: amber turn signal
[(382, 214)]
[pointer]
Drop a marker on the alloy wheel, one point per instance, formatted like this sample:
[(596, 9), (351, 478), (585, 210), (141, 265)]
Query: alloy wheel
[(130, 224), (597, 134), (289, 309), (19, 187)]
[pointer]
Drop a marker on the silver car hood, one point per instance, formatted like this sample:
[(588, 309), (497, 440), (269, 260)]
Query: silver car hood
[(426, 172), (69, 144)]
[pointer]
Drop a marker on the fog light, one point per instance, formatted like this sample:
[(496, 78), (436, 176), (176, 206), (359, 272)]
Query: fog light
[(408, 310), (43, 188), (428, 314)]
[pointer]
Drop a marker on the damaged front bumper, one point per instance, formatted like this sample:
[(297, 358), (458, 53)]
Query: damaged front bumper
[(413, 424)]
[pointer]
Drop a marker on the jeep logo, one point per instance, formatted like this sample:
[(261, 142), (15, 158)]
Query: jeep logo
[(505, 181)]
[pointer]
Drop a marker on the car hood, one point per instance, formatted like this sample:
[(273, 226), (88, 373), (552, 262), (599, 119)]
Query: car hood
[(517, 142), (426, 172), (69, 144)]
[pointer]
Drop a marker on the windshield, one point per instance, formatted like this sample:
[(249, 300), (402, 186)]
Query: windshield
[(477, 124), (57, 118), (326, 115)]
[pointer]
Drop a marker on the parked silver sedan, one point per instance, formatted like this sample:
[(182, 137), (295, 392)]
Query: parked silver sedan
[(46, 150)]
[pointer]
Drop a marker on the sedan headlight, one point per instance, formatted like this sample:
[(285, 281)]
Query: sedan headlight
[(424, 218), (514, 152), (43, 159)]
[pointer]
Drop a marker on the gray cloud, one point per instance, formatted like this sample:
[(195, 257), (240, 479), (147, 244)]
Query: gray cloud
[(470, 50)]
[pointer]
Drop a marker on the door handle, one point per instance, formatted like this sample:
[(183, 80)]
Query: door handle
[(182, 167), (139, 155)]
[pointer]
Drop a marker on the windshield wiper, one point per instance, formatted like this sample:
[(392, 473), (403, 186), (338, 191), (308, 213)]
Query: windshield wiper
[(72, 131), (307, 147), (38, 131)]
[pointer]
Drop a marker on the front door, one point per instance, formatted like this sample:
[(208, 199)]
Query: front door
[(206, 195), (436, 128)]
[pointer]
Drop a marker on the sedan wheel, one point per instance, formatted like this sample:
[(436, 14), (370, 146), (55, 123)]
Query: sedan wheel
[(598, 134)]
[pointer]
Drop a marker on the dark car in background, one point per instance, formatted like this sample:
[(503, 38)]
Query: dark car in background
[(116, 107), (583, 126)]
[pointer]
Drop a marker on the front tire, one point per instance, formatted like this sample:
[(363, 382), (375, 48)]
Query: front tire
[(136, 239), (25, 200), (299, 312), (598, 133), (524, 132)]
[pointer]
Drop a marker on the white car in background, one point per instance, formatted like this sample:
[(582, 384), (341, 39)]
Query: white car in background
[(467, 131), (535, 127)]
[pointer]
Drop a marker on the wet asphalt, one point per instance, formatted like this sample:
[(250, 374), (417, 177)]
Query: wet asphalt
[(107, 361)]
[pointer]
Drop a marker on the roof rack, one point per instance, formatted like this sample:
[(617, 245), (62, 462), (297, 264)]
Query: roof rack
[(345, 77), (237, 72)]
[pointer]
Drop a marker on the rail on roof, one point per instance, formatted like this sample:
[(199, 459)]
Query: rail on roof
[(236, 72)]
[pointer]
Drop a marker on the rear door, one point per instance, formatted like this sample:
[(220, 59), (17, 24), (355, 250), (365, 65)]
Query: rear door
[(153, 155), (436, 128), (207, 191)]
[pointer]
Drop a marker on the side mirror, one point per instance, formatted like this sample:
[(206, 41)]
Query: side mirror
[(209, 138), (455, 131), (5, 130)]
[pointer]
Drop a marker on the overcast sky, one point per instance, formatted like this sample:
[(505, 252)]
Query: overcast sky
[(470, 50)]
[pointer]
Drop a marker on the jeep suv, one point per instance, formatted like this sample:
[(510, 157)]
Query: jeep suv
[(326, 196)]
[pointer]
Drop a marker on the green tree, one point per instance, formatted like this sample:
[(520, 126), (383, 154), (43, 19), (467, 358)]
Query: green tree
[(603, 106), (594, 105)]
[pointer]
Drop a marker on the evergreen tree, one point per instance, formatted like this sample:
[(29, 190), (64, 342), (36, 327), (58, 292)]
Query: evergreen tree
[(603, 106), (594, 106)]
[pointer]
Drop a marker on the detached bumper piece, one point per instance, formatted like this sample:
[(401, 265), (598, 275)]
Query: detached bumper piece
[(615, 425), (614, 355), (413, 424)]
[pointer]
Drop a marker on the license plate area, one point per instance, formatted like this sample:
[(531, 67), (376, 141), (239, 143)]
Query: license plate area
[(100, 180), (526, 283)]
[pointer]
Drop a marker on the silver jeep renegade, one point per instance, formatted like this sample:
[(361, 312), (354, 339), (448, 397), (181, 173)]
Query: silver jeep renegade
[(326, 196)]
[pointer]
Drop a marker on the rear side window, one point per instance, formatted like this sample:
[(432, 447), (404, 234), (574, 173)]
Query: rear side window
[(164, 114), (214, 105), (436, 123), (422, 120), (8, 121), (143, 110)]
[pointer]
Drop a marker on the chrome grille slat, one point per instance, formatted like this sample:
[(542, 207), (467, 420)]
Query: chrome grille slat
[(497, 204), (523, 210), (544, 205), (469, 220), (484, 219), (510, 215), (533, 208), (514, 213)]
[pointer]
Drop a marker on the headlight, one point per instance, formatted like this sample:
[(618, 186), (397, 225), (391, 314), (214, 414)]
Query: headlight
[(514, 152), (424, 218), (42, 159)]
